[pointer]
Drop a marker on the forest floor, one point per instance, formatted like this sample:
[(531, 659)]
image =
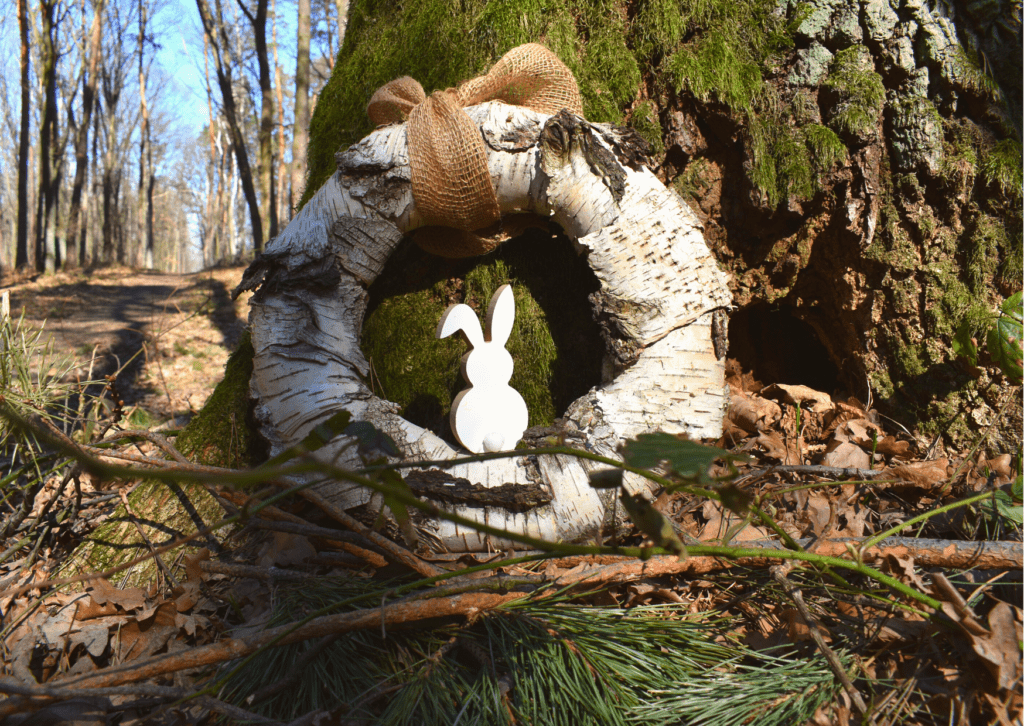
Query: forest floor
[(923, 627), (166, 336)]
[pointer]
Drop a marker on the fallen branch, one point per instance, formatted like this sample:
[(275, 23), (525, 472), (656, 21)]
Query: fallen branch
[(408, 611), (953, 554), (34, 698)]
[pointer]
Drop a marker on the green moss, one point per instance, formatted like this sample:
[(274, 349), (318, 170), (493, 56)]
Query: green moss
[(1001, 167), (892, 245), (788, 160), (860, 90), (692, 183), (825, 146), (220, 434), (907, 359), (645, 120), (556, 346), (657, 28), (984, 239)]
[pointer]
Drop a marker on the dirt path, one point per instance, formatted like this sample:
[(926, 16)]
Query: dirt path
[(168, 335)]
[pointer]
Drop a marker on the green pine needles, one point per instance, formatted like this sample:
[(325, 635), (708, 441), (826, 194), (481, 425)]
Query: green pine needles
[(538, 661)]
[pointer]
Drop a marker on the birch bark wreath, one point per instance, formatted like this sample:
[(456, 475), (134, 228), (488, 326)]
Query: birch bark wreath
[(660, 299)]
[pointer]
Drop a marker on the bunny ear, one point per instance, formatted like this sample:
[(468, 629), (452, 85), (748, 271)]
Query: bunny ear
[(500, 315), (461, 317)]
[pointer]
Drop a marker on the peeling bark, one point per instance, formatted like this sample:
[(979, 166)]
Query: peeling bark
[(660, 288)]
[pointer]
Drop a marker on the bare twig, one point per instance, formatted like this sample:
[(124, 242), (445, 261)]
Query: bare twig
[(814, 629), (401, 554), (267, 574)]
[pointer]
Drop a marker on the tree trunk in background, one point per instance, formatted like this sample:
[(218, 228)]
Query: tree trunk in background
[(76, 229), (284, 170), (146, 177), (300, 129), (268, 205), (49, 164), (21, 255), (216, 34), (342, 7)]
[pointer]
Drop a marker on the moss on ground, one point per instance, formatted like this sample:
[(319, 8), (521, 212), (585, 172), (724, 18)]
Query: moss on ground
[(220, 434), (556, 346)]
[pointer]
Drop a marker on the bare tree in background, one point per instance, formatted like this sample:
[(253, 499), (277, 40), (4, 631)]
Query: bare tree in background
[(220, 46), (47, 252), (76, 229), (21, 255), (300, 128), (146, 176), (268, 206)]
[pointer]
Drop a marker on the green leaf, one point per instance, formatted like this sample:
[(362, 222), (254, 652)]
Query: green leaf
[(653, 523), (1005, 339), (606, 479), (1018, 488), (321, 434), (963, 343), (371, 438), (685, 458)]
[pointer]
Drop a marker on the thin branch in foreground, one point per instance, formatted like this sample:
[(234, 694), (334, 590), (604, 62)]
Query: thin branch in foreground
[(814, 629)]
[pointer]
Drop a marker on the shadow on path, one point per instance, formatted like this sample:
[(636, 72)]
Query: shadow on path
[(124, 318)]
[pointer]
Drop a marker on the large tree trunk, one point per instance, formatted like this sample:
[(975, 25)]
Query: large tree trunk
[(854, 170), (659, 288), (268, 205)]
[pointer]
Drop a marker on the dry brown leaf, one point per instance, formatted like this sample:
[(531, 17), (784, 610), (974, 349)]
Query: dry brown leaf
[(141, 640), (889, 446), (846, 455), (753, 413), (998, 648), (192, 569), (806, 398), (859, 431), (902, 568), (721, 519), (926, 475), (285, 549), (798, 628), (1001, 465), (817, 513), (93, 637), (91, 609), (130, 598), (775, 448)]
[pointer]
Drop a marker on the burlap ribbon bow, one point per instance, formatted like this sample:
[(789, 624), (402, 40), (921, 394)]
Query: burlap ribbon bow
[(450, 180)]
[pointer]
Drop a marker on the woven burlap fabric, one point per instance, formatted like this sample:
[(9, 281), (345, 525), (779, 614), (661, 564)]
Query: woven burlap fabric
[(450, 180)]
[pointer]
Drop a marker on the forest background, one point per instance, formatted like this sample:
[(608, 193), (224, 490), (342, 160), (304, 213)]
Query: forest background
[(155, 133)]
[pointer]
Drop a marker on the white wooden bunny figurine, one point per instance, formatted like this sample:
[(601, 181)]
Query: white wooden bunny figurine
[(490, 415)]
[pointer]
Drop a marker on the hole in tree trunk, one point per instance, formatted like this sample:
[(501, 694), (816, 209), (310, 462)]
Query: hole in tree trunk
[(556, 345), (777, 347)]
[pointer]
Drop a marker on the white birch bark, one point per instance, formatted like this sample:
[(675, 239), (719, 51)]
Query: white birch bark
[(659, 288)]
